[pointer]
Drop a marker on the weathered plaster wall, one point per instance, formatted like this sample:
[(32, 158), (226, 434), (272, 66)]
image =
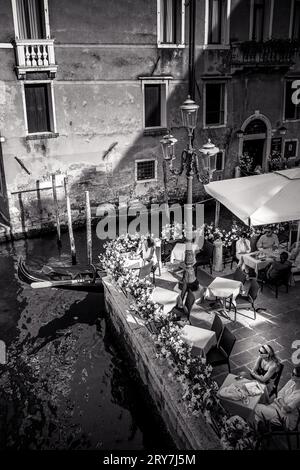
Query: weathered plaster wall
[(100, 53)]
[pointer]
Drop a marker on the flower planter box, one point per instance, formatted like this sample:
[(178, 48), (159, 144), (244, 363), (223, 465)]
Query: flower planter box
[(188, 432)]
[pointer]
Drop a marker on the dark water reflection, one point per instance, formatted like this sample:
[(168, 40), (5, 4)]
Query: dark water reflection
[(67, 385)]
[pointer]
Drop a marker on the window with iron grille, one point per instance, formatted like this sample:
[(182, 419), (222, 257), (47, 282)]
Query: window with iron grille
[(145, 170)]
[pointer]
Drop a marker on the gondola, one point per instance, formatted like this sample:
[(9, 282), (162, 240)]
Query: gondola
[(80, 278)]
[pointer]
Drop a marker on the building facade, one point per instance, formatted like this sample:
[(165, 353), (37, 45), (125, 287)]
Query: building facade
[(88, 88)]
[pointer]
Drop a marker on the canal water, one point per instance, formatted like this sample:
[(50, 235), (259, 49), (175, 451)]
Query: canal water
[(66, 383)]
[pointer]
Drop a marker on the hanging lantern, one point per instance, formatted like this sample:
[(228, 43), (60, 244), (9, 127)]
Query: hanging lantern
[(168, 146), (189, 112)]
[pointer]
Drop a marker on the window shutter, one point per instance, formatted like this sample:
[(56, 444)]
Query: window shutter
[(152, 105), (37, 108)]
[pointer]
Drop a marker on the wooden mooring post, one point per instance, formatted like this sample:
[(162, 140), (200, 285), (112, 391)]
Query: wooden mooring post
[(88, 227), (71, 235), (56, 209)]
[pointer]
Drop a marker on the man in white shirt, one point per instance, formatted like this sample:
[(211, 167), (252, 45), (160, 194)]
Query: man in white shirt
[(285, 407), (268, 240)]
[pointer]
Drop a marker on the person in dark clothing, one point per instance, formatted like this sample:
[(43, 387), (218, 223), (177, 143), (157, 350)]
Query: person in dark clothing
[(279, 268)]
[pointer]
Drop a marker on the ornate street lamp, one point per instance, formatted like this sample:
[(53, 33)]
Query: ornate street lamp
[(202, 168)]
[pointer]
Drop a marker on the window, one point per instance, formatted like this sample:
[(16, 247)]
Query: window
[(155, 102), (214, 104), (30, 19), (170, 22), (291, 111), (152, 105), (39, 108), (296, 20), (258, 19), (291, 148), (220, 160), (215, 22), (145, 170)]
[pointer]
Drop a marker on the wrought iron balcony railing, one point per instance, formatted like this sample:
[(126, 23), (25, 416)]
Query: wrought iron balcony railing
[(269, 53)]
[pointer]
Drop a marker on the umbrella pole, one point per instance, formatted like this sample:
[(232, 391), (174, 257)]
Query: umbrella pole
[(217, 213), (298, 235)]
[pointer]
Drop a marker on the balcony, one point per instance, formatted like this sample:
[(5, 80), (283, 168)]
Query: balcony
[(35, 55), (272, 53)]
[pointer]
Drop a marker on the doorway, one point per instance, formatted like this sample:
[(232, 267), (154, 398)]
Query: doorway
[(255, 149)]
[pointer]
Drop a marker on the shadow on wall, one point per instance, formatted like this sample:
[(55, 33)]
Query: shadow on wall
[(34, 210)]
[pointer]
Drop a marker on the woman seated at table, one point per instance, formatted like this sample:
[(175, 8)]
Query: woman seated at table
[(285, 407), (147, 251), (266, 367), (242, 247)]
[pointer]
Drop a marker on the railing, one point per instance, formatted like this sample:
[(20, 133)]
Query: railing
[(268, 53), (35, 53)]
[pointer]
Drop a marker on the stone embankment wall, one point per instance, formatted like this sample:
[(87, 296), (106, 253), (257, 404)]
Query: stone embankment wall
[(188, 432)]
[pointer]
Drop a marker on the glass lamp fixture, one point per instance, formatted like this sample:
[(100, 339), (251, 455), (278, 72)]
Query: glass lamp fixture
[(239, 133), (189, 113), (210, 151), (168, 146)]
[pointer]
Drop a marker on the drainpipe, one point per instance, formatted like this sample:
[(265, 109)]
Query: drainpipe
[(192, 28)]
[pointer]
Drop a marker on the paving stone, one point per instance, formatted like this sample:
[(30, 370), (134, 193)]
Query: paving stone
[(243, 358)]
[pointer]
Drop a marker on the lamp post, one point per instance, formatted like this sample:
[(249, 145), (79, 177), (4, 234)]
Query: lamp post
[(201, 168)]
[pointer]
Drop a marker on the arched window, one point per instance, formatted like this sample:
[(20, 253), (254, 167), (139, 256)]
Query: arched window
[(257, 126)]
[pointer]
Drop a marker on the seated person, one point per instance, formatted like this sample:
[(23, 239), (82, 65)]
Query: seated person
[(147, 250), (278, 269), (295, 257), (266, 367), (242, 247), (268, 241), (285, 406)]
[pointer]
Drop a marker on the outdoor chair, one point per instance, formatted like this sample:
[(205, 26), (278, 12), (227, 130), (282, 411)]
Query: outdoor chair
[(205, 256), (280, 431), (229, 255), (220, 354), (248, 298), (237, 275), (184, 306), (217, 326), (274, 284), (146, 271)]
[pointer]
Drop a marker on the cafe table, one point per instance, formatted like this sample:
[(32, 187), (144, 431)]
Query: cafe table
[(261, 259), (244, 408), (223, 289), (200, 339), (165, 297)]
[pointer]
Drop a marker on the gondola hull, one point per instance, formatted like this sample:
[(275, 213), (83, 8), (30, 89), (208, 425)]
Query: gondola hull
[(89, 278)]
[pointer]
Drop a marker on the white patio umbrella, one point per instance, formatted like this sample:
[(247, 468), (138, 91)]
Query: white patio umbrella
[(262, 199)]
